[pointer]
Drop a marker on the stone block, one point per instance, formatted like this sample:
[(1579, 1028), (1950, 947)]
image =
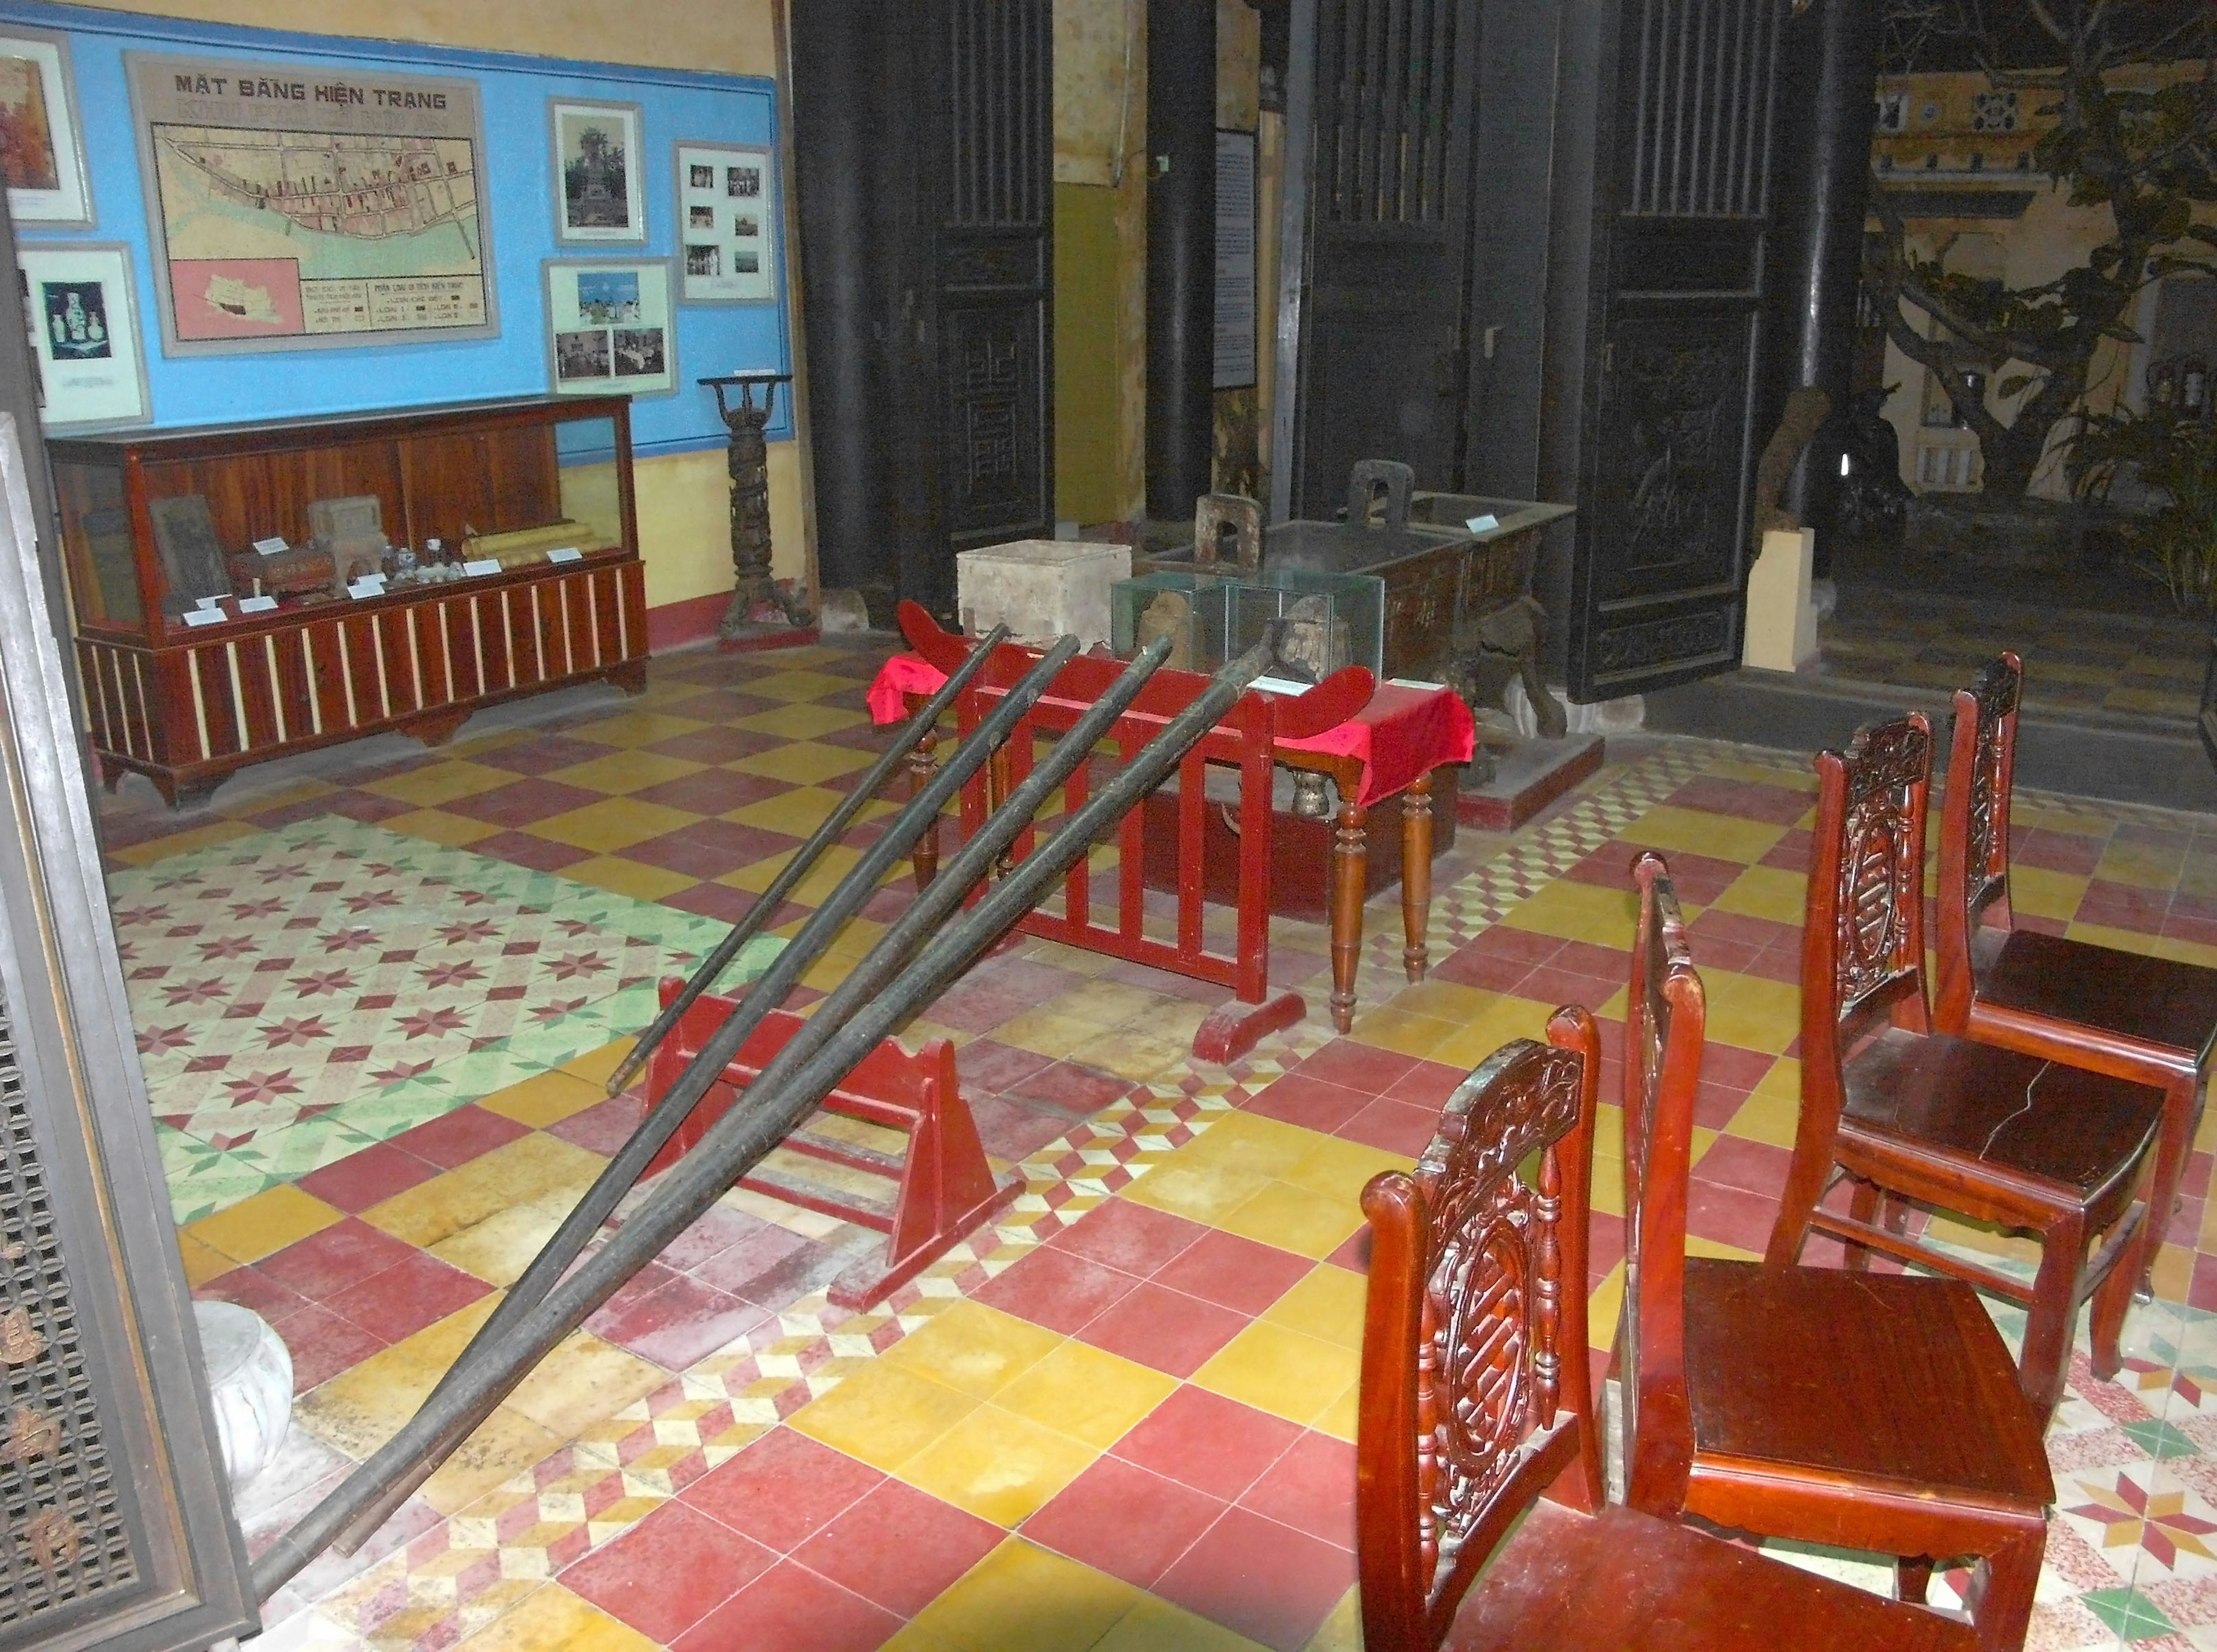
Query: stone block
[(1042, 589)]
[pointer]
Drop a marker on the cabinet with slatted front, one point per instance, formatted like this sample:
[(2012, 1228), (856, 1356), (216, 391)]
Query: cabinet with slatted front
[(245, 592)]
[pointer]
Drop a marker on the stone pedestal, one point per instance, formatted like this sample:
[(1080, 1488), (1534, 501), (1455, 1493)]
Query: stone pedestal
[(1042, 589), (251, 1376), (1781, 620)]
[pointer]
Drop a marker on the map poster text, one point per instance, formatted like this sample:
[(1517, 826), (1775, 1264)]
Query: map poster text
[(296, 206)]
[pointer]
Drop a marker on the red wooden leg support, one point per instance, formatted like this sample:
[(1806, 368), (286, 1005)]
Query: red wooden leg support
[(943, 1187)]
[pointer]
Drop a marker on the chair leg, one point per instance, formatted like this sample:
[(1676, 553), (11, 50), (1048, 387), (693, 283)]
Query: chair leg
[(2181, 1116), (2054, 1315), (2114, 1295), (1865, 1200), (1912, 1574), (1805, 1185), (2000, 1596)]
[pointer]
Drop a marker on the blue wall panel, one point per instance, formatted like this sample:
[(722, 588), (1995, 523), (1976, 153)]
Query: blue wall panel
[(519, 178)]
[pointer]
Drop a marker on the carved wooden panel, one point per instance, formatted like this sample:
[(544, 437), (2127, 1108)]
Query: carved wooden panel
[(1882, 874), (1986, 856)]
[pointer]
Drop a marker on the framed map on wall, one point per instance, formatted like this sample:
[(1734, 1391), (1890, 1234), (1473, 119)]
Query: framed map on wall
[(309, 208)]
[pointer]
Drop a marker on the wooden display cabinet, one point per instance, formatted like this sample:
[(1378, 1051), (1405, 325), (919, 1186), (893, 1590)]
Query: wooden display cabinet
[(187, 702)]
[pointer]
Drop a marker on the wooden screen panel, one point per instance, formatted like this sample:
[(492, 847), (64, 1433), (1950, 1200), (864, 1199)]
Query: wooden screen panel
[(1387, 99), (492, 480), (1702, 108), (252, 496)]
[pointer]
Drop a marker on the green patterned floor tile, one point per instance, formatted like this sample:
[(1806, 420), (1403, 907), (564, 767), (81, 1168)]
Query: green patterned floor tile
[(2129, 1612)]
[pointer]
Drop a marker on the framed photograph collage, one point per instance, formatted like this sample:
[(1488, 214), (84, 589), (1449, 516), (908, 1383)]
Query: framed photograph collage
[(330, 207)]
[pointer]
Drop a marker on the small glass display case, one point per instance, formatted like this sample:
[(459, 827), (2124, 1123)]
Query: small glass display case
[(1316, 623), (1192, 610)]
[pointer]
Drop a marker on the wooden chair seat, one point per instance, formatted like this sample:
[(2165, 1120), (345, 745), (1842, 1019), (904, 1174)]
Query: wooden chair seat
[(2167, 1006), (1621, 1581), (1890, 1384), (2075, 1136), (2152, 1020)]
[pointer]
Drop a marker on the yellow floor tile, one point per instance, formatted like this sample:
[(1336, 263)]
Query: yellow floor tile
[(634, 728), (504, 1445), (816, 885), (1341, 1630), (1088, 1394), (626, 772), (1327, 1305), (612, 824), (1578, 912), (1445, 1000), (1608, 1190), (203, 1262), (1251, 1141), (1696, 1245), (802, 763), (365, 1405), (804, 721), (515, 1172), (629, 877), (1340, 1170), (582, 1382), (2042, 893), (1295, 1219), (1697, 831), (440, 783), (264, 1224), (1509, 1017), (973, 1349), (1198, 1190), (1767, 892), (797, 812), (1387, 1027), (552, 1619), (1047, 1031), (1281, 1371), (1603, 1307), (547, 1098), (183, 843), (437, 825), (883, 1414), (1020, 1598), (1342, 1417), (596, 1066), (1001, 1467), (1139, 1056), (798, 685), (2174, 1272), (2140, 863), (1768, 1119), (1156, 1625), (499, 1248), (1752, 1013)]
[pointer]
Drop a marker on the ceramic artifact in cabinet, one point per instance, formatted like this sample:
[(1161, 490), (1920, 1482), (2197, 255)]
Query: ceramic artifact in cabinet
[(249, 591)]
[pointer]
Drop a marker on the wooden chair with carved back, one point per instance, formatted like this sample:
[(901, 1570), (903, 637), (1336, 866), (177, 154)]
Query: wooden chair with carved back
[(2152, 1020), (1475, 1399), (1878, 1412), (1905, 1113)]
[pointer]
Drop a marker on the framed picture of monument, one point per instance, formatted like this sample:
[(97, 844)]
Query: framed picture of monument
[(41, 145), (600, 194), (84, 334), (726, 219), (610, 326)]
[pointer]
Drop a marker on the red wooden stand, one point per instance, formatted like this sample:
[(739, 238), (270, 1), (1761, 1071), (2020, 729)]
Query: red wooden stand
[(943, 1189)]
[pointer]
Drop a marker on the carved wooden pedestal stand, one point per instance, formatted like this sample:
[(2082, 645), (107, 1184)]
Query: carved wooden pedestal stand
[(749, 463)]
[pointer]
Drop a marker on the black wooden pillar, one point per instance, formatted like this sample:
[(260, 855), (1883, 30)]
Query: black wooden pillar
[(1181, 255), (1832, 79)]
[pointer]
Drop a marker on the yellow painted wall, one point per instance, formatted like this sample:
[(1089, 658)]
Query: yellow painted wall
[(1087, 386), (684, 511)]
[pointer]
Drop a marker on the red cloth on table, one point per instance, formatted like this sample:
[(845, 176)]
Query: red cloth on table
[(1402, 733)]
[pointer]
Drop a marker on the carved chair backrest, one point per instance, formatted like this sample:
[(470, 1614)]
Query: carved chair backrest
[(1975, 827), (1474, 1391), (1664, 1030), (1862, 945)]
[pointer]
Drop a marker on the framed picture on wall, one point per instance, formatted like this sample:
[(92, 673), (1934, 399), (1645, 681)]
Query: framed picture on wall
[(600, 194), (42, 145), (83, 320), (726, 224), (610, 326)]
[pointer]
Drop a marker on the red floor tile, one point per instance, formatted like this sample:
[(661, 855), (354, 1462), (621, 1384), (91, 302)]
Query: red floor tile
[(404, 1298), (1015, 1130), (322, 1344), (456, 1138), (1310, 1102), (326, 1263), (668, 1572), (718, 746), (1207, 1442), (1354, 1251), (1393, 1127), (1233, 1272), (1311, 1488), (899, 1547), (1166, 1329), (521, 849), (1057, 1288), (679, 1325), (794, 1610), (719, 1228), (1129, 1237), (1268, 1581), (250, 1288), (1077, 1089), (522, 801), (986, 1067), (1467, 967), (1754, 1166), (1729, 1215), (710, 848), (1357, 1066), (604, 1127), (2202, 1290), (543, 753), (782, 1490), (1124, 1520)]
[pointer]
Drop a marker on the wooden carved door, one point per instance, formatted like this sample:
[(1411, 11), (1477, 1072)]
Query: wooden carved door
[(1388, 92), (1681, 254), (992, 294)]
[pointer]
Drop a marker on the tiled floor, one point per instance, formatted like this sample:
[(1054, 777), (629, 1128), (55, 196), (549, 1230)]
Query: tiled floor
[(1123, 1416), (2076, 659)]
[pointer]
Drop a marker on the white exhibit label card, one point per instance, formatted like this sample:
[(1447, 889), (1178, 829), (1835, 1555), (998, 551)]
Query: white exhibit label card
[(205, 616), (567, 553), (1281, 685), (256, 604), (274, 546), (1483, 524), (369, 585), (483, 565)]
